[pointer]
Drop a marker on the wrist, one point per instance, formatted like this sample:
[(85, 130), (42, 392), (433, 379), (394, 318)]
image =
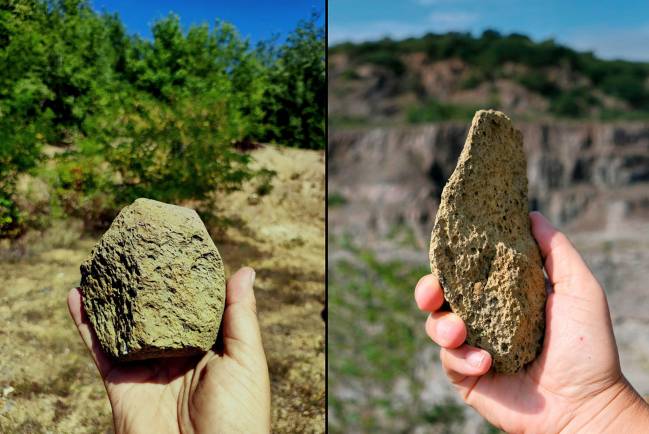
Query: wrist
[(617, 409)]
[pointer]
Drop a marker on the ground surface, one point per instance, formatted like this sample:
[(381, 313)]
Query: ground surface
[(48, 382)]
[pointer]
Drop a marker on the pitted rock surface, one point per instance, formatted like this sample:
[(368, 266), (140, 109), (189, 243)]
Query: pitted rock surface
[(482, 249), (154, 285)]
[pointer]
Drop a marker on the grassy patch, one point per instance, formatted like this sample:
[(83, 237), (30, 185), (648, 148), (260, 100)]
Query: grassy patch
[(403, 235), (447, 413), (335, 200), (435, 111), (375, 332)]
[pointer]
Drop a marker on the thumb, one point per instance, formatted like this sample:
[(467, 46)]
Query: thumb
[(566, 269), (240, 324)]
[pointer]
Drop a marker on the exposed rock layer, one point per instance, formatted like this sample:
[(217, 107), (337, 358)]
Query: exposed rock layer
[(581, 175), (154, 285), (482, 248)]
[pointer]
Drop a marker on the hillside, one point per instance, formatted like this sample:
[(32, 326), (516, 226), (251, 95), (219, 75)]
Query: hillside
[(448, 76)]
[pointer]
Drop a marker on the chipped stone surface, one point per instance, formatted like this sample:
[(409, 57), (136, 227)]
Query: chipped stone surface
[(154, 285), (482, 249)]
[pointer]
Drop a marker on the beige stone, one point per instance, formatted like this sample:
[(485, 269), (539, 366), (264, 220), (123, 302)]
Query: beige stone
[(154, 285), (482, 249)]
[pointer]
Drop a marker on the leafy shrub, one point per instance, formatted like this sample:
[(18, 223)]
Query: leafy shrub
[(574, 103), (435, 111), (264, 178), (473, 81), (387, 60), (9, 217), (538, 81), (169, 152), (350, 74), (338, 121), (629, 87), (22, 128), (84, 187)]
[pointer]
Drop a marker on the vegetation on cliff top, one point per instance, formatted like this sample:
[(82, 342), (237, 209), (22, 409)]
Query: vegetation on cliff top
[(488, 56)]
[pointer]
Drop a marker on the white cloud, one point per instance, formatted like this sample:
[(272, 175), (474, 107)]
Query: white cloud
[(444, 21), (375, 30), (435, 22), (611, 43)]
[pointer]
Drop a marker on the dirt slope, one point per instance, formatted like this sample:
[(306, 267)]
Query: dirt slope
[(47, 381)]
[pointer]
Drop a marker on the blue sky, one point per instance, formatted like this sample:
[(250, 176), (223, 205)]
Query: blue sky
[(256, 19), (612, 29)]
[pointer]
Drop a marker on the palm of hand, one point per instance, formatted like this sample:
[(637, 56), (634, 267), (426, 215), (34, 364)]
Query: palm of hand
[(179, 395), (146, 396), (550, 389)]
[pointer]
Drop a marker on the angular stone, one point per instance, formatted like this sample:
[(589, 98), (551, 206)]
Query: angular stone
[(154, 285), (482, 249)]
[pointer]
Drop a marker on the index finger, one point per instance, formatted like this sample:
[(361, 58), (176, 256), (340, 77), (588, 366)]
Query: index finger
[(428, 294)]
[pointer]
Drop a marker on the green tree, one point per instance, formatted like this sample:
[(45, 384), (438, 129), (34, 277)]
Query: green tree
[(294, 102)]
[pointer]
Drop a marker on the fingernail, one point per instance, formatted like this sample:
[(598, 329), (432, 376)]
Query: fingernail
[(475, 358), (251, 276)]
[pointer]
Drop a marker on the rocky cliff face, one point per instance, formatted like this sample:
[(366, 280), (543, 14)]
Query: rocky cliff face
[(375, 92), (583, 176)]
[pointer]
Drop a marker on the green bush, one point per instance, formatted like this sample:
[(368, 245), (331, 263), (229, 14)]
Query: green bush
[(473, 80), (350, 74), (264, 178), (170, 152), (84, 187), (23, 129), (336, 200), (574, 103), (435, 111), (538, 81)]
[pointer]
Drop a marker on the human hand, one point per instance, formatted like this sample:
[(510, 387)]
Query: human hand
[(220, 392), (574, 385)]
